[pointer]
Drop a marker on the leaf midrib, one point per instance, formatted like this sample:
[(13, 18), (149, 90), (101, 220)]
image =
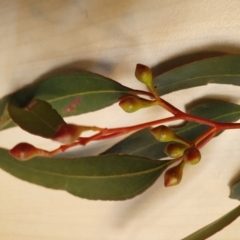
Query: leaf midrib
[(43, 121), (208, 76), (84, 93), (94, 177)]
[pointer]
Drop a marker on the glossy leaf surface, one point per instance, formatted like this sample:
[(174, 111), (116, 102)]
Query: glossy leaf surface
[(214, 227), (142, 143), (38, 118), (70, 94), (222, 70), (112, 177)]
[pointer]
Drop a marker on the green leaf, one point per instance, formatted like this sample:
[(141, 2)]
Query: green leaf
[(70, 94), (222, 70), (112, 177), (38, 118), (142, 143), (4, 116), (235, 191), (214, 227)]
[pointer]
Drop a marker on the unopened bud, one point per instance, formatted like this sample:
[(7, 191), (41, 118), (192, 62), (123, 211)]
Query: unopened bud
[(192, 155), (163, 134), (25, 151), (173, 176), (175, 150), (68, 133), (133, 103), (144, 75)]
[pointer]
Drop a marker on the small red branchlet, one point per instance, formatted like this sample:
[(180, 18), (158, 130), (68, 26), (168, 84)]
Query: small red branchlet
[(192, 155), (133, 103), (25, 151), (173, 176)]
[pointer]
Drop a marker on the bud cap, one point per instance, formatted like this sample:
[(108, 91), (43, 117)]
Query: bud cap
[(163, 134), (25, 151), (173, 176), (175, 150), (144, 75), (192, 155), (133, 103)]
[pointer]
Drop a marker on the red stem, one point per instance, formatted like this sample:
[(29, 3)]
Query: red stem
[(204, 135), (206, 140), (178, 115), (125, 130)]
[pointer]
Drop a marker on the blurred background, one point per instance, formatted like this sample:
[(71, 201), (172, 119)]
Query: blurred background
[(45, 38)]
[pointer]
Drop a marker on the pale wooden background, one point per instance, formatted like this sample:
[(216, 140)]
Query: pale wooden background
[(39, 38)]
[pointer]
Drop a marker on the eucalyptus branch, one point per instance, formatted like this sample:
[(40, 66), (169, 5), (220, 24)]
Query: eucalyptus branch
[(119, 175)]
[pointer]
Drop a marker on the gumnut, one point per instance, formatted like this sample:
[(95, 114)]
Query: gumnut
[(192, 155), (68, 133), (175, 150), (144, 75), (173, 176), (25, 151), (163, 134), (133, 103)]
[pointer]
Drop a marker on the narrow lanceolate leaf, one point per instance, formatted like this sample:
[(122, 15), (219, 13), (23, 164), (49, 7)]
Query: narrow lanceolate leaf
[(214, 227), (4, 116), (38, 118), (71, 94), (235, 190), (112, 177), (142, 143), (222, 70)]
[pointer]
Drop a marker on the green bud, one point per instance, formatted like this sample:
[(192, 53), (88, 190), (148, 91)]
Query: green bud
[(133, 103), (175, 150), (144, 75), (163, 134), (173, 176), (192, 155)]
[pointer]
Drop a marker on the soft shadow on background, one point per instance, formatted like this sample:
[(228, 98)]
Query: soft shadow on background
[(79, 66)]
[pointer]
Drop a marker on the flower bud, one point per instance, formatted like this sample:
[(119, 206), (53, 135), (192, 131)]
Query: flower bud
[(144, 75), (68, 133), (173, 176), (25, 151), (192, 155), (175, 150), (163, 134), (133, 103)]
